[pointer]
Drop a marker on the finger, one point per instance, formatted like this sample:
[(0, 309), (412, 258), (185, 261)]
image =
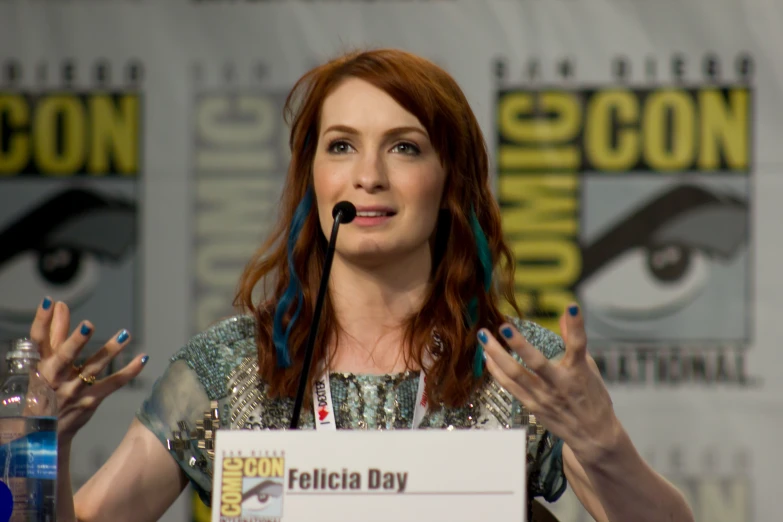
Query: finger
[(61, 324), (532, 358), (504, 361), (563, 326), (39, 330), (66, 353), (117, 380), (100, 359), (576, 339), (76, 386), (524, 395), (58, 368)]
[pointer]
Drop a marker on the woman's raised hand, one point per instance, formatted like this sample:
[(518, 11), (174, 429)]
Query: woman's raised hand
[(568, 397), (78, 390)]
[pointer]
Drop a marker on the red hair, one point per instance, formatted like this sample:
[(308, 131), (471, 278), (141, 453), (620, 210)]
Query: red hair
[(432, 95)]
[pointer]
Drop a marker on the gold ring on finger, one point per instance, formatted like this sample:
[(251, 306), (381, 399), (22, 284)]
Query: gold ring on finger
[(89, 381)]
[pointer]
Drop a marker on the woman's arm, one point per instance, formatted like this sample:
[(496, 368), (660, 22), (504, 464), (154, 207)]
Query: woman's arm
[(64, 489), (619, 485), (138, 483), (570, 399)]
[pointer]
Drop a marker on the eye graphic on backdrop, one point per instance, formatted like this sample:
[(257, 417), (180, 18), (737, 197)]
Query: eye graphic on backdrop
[(262, 496), (658, 260), (58, 249)]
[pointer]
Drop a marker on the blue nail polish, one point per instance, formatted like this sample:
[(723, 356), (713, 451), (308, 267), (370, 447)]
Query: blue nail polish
[(483, 337), (85, 330), (145, 359), (123, 336), (573, 310), (507, 332), (46, 303)]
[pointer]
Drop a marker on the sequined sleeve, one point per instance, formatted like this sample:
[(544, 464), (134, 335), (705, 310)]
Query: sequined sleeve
[(181, 410), (546, 477), (177, 402)]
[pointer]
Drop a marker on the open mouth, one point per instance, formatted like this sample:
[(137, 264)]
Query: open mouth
[(374, 214), (373, 217)]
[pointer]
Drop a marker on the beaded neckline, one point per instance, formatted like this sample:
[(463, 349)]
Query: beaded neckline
[(407, 374)]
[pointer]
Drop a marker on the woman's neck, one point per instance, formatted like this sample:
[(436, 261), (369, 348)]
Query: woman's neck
[(372, 307)]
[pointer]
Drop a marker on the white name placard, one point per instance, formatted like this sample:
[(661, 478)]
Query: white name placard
[(383, 476)]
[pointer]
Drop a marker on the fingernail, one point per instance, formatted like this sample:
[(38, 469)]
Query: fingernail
[(145, 359), (123, 336), (47, 303), (482, 336), (507, 332), (573, 310), (85, 330), (483, 354)]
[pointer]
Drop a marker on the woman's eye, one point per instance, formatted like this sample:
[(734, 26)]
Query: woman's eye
[(343, 147), (406, 148), (339, 147)]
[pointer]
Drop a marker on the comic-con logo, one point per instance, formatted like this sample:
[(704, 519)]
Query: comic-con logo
[(635, 201), (69, 170), (239, 158), (251, 488)]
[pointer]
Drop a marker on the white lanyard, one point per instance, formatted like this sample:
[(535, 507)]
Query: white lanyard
[(324, 408)]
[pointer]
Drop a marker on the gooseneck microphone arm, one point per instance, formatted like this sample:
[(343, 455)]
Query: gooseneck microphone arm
[(343, 212)]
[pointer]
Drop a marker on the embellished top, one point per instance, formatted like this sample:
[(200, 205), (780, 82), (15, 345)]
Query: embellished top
[(213, 383)]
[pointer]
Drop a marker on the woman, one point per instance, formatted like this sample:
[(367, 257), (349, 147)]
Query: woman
[(416, 284)]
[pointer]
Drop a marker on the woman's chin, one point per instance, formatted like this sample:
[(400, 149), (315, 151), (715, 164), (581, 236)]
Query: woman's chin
[(373, 253), (370, 255), (367, 258)]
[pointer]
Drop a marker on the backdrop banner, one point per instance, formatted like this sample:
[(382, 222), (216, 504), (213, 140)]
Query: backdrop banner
[(635, 152)]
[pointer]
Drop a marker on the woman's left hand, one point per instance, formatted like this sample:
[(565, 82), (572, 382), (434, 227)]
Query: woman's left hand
[(568, 397)]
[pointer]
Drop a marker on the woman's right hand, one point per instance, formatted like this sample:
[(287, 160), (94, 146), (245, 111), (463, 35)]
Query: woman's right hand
[(79, 393)]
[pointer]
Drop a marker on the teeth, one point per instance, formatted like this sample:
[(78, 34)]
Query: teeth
[(372, 214)]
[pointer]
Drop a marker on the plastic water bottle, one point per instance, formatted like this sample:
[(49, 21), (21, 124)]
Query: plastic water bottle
[(28, 439)]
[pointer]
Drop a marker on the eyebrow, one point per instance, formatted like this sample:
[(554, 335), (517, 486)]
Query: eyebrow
[(391, 132)]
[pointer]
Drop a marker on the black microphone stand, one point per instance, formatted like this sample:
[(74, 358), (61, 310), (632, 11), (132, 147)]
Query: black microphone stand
[(343, 212)]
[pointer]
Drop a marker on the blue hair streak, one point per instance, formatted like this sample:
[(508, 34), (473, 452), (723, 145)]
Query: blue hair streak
[(485, 262), (294, 290)]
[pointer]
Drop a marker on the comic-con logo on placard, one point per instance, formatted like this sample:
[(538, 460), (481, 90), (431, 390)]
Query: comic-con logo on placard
[(251, 488), (69, 169), (633, 197)]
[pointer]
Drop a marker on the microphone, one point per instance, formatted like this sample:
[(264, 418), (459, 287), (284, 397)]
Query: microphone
[(347, 210), (343, 212)]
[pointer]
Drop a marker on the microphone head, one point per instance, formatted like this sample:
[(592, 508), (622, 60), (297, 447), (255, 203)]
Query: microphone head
[(347, 209)]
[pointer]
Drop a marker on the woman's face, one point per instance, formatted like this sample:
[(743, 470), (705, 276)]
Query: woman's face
[(375, 154)]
